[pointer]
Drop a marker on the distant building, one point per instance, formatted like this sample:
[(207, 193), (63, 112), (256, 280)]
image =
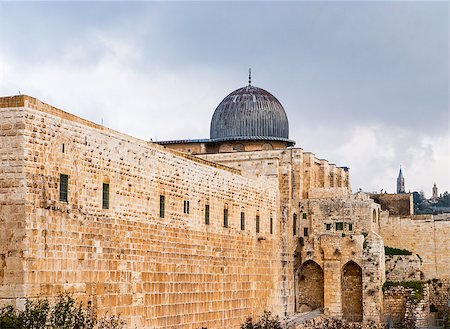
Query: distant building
[(435, 193), (400, 182)]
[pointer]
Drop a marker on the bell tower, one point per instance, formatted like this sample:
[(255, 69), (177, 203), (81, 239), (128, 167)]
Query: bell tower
[(400, 182)]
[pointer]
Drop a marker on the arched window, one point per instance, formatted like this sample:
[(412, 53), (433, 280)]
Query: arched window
[(239, 147), (267, 147)]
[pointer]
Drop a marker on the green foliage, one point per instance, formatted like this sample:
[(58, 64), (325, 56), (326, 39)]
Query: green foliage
[(416, 286), (112, 322), (9, 318), (35, 314), (266, 321), (396, 251), (446, 320), (65, 314)]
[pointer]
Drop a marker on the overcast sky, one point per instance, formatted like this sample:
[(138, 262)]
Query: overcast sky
[(364, 84)]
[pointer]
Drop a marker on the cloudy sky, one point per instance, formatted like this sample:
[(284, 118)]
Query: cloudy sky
[(364, 84)]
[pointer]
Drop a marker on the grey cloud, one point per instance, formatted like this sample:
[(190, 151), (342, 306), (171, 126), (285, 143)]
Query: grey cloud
[(333, 65)]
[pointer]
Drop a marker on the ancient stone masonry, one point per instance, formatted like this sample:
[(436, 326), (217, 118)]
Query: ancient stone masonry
[(204, 232), (13, 188), (326, 229), (168, 272), (425, 235), (403, 268), (420, 306)]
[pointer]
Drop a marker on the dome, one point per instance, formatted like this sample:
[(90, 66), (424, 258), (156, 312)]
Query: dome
[(250, 113)]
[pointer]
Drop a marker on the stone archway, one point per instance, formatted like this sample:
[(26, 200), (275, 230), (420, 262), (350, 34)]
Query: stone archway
[(352, 309), (309, 287)]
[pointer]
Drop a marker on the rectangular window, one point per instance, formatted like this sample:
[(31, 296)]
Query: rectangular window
[(271, 225), (63, 187), (207, 214), (242, 220), (339, 226), (328, 227), (162, 200), (105, 203), (294, 225), (225, 217), (305, 216), (350, 227), (257, 223), (186, 207), (305, 231)]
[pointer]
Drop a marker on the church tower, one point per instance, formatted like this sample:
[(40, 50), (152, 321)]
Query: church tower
[(400, 182), (435, 193)]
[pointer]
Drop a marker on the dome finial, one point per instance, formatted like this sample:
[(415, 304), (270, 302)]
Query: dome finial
[(249, 76)]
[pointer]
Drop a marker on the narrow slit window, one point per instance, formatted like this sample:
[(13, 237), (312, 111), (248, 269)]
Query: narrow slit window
[(63, 148), (350, 227), (63, 187), (294, 225), (328, 226), (305, 231), (242, 221), (225, 217), (271, 225), (162, 200), (105, 201), (257, 223), (186, 207), (207, 214)]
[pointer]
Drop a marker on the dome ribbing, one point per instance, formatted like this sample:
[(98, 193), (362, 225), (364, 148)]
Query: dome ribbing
[(250, 113)]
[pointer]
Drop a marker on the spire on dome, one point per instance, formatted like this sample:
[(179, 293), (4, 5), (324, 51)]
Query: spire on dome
[(249, 76)]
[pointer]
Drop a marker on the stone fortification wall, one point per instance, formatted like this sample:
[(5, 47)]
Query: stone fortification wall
[(337, 235), (403, 268), (428, 238), (296, 174), (12, 203), (308, 171), (410, 307), (440, 294), (396, 204), (170, 272)]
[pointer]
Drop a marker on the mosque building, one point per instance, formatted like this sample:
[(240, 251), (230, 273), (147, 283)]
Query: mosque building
[(198, 232)]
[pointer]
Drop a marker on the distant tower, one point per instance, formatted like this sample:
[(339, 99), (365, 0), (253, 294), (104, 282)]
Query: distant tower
[(435, 192), (400, 182)]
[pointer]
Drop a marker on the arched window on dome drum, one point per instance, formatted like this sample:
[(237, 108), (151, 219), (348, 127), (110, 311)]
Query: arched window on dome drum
[(267, 147), (239, 147)]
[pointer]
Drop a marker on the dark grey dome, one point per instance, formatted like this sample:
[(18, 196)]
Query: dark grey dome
[(250, 113)]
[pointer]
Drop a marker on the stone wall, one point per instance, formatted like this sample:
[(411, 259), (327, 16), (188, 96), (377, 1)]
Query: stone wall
[(394, 304), (12, 203), (175, 271), (405, 306), (403, 268), (396, 204), (426, 237), (440, 294), (315, 193)]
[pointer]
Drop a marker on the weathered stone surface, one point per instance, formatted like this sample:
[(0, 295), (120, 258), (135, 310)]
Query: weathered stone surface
[(156, 272), (426, 236)]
